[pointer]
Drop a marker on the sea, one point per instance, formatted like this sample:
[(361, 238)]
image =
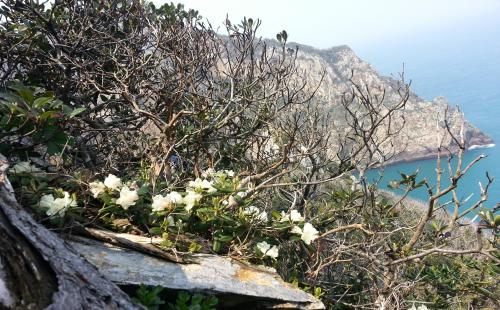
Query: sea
[(465, 69)]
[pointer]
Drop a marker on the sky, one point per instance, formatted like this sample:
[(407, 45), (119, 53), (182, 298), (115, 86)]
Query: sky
[(358, 23), (439, 42)]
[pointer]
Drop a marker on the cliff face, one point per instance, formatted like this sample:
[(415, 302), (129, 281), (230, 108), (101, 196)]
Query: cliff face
[(424, 120)]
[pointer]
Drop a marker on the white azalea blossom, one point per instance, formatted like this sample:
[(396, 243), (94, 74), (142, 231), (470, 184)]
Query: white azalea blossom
[(308, 234), (294, 216), (200, 184), (209, 173), (191, 199), (255, 213), (421, 307), (296, 230), (175, 197), (113, 182), (267, 249), (160, 203), (24, 167), (58, 205), (242, 194), (127, 197), (96, 188)]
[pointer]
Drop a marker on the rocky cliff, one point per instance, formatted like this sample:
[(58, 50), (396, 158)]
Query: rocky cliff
[(424, 120)]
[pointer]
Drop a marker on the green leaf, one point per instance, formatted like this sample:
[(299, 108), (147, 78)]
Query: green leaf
[(76, 111), (24, 92), (218, 235), (216, 246), (41, 102), (194, 247), (156, 231), (205, 210), (497, 220), (53, 148), (46, 115)]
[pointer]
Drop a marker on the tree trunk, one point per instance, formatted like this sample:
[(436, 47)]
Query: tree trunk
[(38, 270)]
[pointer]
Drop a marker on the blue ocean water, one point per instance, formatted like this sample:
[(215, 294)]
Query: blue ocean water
[(466, 71)]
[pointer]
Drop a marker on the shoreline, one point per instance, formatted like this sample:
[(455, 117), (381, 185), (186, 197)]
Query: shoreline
[(431, 155)]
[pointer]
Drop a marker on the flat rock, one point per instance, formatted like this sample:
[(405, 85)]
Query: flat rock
[(233, 282)]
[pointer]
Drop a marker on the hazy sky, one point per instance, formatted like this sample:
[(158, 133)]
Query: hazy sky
[(325, 23)]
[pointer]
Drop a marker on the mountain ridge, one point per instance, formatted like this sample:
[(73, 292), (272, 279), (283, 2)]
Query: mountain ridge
[(421, 115)]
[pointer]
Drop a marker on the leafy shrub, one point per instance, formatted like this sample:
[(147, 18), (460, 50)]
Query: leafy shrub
[(34, 122)]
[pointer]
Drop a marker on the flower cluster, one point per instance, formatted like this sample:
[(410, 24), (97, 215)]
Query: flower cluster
[(293, 217), (267, 250), (161, 203), (210, 173), (128, 197), (255, 214), (207, 205), (308, 234), (57, 206)]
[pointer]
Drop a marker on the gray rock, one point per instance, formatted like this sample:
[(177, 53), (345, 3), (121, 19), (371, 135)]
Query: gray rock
[(232, 281)]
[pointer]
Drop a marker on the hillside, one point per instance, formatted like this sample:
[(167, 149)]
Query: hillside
[(418, 137)]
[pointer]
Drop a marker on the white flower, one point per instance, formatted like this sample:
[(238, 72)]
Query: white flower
[(191, 199), (303, 149), (160, 203), (296, 230), (175, 197), (196, 184), (255, 213), (211, 189), (209, 173), (24, 167), (127, 198), (267, 250), (308, 234), (200, 184), (242, 194), (113, 182), (294, 216), (57, 206), (273, 252), (421, 307), (46, 201), (96, 188)]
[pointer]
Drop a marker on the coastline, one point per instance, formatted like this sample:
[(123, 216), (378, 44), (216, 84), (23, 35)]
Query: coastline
[(407, 158)]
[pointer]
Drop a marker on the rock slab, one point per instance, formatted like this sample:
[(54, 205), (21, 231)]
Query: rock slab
[(233, 282)]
